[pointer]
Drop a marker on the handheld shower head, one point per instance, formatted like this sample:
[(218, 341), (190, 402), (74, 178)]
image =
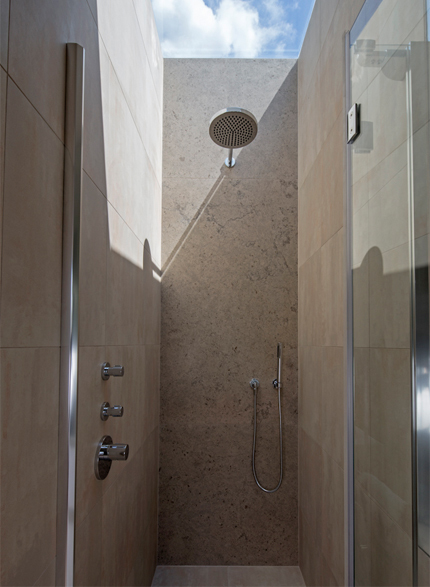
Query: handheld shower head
[(233, 128)]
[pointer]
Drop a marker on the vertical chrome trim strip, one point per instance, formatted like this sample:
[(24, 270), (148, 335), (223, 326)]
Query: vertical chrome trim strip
[(74, 123), (349, 342), (410, 155)]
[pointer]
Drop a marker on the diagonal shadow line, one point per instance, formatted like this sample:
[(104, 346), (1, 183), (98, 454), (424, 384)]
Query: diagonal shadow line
[(224, 173), (192, 223)]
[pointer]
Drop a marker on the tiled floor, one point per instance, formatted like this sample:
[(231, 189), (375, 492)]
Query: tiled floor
[(187, 576)]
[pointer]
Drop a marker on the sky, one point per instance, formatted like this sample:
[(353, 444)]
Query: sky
[(232, 28)]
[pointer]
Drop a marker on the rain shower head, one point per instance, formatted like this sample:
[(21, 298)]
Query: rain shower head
[(233, 128)]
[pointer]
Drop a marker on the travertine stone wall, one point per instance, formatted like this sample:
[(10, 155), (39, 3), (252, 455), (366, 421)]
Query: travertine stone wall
[(229, 294), (116, 534), (321, 291)]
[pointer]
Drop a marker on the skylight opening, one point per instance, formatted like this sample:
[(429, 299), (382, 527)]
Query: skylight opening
[(250, 29)]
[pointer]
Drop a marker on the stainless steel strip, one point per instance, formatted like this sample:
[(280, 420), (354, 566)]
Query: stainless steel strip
[(349, 343), (74, 125)]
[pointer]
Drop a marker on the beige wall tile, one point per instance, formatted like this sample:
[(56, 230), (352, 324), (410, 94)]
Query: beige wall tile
[(390, 481), (146, 20), (310, 302), (32, 228), (88, 550), (389, 297), (332, 523), (133, 188), (124, 317), (363, 538), (47, 578), (391, 550), (151, 299), (42, 31), (30, 379), (4, 8), (332, 181), (310, 483), (332, 290), (332, 402), (310, 392), (94, 247), (3, 88), (310, 51), (92, 392), (362, 416), (388, 214), (423, 568), (310, 212), (331, 67), (310, 554), (310, 135), (361, 309)]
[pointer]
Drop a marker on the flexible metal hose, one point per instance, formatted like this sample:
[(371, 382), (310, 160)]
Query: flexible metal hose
[(255, 440)]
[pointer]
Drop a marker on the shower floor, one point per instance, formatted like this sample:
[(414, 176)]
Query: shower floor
[(190, 576)]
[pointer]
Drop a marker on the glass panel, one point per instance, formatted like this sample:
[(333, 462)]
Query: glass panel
[(390, 248)]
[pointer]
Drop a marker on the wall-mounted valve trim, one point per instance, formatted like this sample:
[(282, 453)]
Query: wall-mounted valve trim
[(107, 410), (108, 371), (107, 452)]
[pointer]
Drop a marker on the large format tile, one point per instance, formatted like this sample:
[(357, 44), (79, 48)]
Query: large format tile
[(389, 297), (264, 576), (391, 550), (124, 304), (93, 282), (133, 187), (197, 576), (332, 402), (310, 398), (37, 52), (3, 89), (390, 481), (332, 517), (92, 392), (32, 228), (332, 289), (310, 482), (151, 299), (4, 8), (30, 379)]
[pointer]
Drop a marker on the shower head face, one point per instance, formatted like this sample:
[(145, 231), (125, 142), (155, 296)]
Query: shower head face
[(233, 128)]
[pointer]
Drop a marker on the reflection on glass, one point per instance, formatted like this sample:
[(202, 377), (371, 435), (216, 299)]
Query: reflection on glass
[(390, 172)]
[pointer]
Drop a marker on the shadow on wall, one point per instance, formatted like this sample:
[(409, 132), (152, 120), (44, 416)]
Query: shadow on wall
[(116, 520), (229, 294), (383, 444), (259, 159)]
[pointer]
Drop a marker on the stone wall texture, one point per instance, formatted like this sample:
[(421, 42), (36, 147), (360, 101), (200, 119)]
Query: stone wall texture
[(229, 294)]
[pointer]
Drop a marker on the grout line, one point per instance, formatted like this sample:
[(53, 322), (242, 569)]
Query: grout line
[(34, 107), (131, 111)]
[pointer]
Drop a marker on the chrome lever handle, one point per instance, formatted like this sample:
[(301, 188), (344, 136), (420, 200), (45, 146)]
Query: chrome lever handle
[(107, 452), (113, 452), (107, 410), (108, 371)]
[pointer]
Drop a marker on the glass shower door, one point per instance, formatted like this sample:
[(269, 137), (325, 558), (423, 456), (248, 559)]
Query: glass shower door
[(390, 186)]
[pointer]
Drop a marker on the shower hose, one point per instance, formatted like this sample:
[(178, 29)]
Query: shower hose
[(255, 387)]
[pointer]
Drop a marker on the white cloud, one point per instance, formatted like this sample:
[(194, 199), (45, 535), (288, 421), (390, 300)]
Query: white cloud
[(232, 28)]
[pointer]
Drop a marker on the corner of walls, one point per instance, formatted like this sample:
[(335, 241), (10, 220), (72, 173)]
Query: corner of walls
[(321, 292)]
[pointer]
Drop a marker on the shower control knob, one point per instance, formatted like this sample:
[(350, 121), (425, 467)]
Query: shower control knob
[(107, 452), (108, 371), (107, 410)]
